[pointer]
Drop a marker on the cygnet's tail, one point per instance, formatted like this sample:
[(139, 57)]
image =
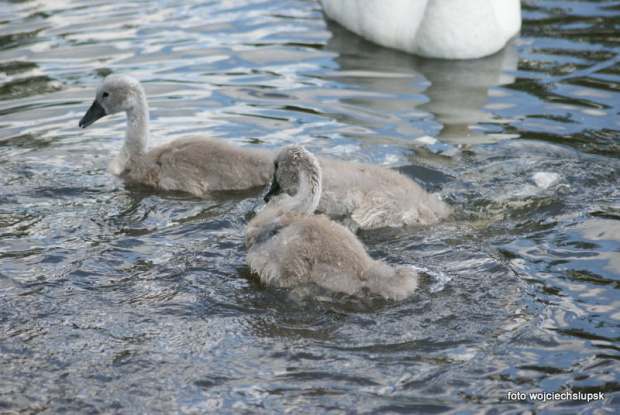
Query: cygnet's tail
[(391, 283)]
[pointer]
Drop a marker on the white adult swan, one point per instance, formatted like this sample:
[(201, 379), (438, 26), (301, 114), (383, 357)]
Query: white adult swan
[(193, 164), (448, 29), (288, 245)]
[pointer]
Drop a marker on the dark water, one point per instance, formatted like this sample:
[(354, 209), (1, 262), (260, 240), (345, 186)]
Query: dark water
[(117, 299)]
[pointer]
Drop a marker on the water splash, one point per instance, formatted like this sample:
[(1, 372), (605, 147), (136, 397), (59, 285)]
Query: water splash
[(440, 278)]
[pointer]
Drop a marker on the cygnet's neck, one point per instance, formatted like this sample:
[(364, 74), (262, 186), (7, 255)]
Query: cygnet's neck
[(307, 198), (136, 136)]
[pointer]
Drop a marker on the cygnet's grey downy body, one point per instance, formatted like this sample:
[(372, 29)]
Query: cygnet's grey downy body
[(193, 164), (373, 196), (289, 245)]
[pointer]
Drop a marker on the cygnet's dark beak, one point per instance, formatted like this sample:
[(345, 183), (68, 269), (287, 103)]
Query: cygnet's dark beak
[(274, 190), (95, 112)]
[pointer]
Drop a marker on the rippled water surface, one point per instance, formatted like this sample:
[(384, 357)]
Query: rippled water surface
[(119, 299)]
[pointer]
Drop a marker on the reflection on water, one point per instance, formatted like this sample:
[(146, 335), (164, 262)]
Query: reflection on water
[(452, 92), (119, 299)]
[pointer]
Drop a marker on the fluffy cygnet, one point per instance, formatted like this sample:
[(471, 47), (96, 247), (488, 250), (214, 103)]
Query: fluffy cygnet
[(288, 245), (193, 164), (373, 196)]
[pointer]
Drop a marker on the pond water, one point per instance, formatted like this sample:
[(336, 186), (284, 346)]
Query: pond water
[(119, 299)]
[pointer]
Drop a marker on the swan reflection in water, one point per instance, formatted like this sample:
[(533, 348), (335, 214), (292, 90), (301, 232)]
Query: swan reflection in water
[(455, 92)]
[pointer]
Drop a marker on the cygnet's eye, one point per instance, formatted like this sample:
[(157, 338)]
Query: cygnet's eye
[(105, 95)]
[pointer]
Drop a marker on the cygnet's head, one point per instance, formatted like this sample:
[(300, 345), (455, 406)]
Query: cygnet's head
[(116, 93), (297, 173)]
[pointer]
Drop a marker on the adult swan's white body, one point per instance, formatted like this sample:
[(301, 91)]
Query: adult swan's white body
[(288, 245), (193, 164), (447, 29)]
